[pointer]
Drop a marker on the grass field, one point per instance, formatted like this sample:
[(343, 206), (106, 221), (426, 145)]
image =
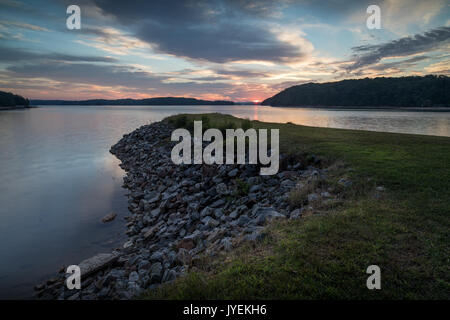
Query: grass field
[(404, 229)]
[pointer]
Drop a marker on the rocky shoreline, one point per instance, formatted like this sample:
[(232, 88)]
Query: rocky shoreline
[(180, 214)]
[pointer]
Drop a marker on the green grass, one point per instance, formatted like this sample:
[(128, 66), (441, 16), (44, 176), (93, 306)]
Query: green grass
[(404, 230)]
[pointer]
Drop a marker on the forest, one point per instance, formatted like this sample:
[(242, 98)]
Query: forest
[(8, 99), (426, 91)]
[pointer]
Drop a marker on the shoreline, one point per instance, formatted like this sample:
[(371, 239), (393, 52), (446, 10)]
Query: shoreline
[(180, 215), (330, 205), (16, 107), (369, 108)]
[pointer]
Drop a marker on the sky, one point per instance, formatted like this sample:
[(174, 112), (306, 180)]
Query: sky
[(239, 50)]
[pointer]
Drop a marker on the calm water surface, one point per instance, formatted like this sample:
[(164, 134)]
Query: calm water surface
[(58, 178)]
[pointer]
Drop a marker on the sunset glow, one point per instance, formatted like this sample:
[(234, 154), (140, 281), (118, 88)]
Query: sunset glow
[(139, 49)]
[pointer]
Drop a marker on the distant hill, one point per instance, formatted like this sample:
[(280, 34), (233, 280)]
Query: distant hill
[(427, 91), (166, 101), (8, 99)]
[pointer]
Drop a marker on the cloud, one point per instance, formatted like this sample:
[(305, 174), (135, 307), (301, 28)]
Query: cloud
[(11, 3), (400, 64), (105, 75), (127, 78), (419, 43), (24, 26), (8, 54), (111, 40), (442, 67), (398, 15), (219, 31), (241, 73)]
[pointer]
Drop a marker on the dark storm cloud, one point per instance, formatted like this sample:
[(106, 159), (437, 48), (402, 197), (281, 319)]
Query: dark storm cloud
[(370, 54), (217, 31), (8, 54)]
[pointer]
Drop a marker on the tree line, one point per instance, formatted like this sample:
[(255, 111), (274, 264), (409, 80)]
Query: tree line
[(8, 99), (416, 91), (163, 101)]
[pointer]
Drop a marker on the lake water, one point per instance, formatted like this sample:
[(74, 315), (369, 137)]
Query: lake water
[(58, 178)]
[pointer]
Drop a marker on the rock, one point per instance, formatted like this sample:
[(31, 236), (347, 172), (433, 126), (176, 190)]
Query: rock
[(156, 273), (380, 188), (325, 194), (151, 232), (134, 289), (242, 208), (222, 189), (186, 243), (255, 188), (195, 236), (215, 235), (255, 236), (344, 182), (144, 265), (113, 275), (218, 203), (260, 219), (133, 277), (206, 211), (154, 199), (233, 215), (253, 180), (103, 293), (218, 213), (155, 213), (157, 256), (287, 183), (96, 263), (313, 197), (184, 257), (128, 244), (138, 195), (226, 244), (264, 214), (75, 296), (169, 275), (109, 217), (243, 220), (233, 173), (163, 206), (210, 222), (195, 215), (296, 214), (52, 281)]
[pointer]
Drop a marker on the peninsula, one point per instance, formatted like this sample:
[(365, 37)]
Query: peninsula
[(416, 92)]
